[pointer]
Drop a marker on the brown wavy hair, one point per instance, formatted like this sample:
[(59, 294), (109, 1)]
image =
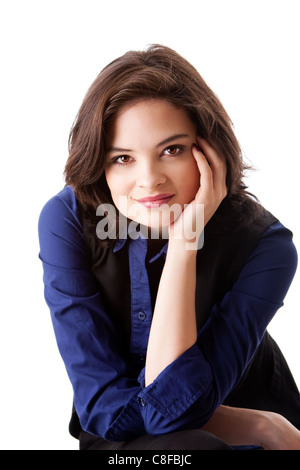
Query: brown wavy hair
[(158, 72)]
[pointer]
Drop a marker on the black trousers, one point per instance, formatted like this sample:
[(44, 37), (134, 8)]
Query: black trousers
[(192, 439)]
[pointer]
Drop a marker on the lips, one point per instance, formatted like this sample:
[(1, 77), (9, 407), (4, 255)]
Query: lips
[(155, 201)]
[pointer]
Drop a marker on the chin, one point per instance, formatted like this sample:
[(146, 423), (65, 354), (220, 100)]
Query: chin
[(158, 220)]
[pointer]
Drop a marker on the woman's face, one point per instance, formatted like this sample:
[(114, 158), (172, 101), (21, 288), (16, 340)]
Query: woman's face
[(149, 163)]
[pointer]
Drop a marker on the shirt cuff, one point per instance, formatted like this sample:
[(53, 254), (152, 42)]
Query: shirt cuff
[(179, 385)]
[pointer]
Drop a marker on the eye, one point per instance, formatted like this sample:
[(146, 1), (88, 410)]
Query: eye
[(173, 150), (122, 160)]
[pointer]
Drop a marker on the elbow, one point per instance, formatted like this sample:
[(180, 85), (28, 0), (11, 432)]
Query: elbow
[(115, 427), (195, 417), (109, 432)]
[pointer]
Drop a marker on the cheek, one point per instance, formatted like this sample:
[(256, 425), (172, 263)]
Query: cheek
[(117, 184), (119, 188), (190, 180)]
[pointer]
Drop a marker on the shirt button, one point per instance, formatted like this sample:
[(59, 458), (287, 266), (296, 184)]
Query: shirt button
[(142, 316), (142, 402)]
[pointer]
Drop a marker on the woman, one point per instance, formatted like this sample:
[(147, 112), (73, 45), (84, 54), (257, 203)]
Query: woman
[(165, 341)]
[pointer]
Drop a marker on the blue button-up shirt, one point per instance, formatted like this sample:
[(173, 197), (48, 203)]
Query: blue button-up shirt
[(110, 399)]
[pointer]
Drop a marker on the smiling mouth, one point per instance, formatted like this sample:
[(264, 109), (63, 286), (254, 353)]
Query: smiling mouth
[(155, 201)]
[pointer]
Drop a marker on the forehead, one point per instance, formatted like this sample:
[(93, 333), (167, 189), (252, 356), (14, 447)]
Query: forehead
[(148, 122)]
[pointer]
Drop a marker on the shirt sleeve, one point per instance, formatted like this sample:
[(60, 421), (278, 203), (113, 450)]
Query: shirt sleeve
[(105, 392), (188, 391)]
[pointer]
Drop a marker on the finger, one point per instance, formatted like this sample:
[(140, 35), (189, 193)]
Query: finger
[(216, 162), (206, 176), (210, 153)]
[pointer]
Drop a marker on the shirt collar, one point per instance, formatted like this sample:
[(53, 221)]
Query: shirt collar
[(120, 243), (162, 251)]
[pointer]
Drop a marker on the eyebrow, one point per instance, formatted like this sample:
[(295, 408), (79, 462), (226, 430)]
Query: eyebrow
[(163, 142), (172, 137)]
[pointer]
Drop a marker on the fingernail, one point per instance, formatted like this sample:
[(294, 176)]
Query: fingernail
[(196, 147)]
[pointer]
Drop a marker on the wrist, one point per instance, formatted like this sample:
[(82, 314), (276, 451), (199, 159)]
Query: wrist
[(182, 248)]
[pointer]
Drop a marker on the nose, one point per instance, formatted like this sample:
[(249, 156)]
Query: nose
[(149, 175)]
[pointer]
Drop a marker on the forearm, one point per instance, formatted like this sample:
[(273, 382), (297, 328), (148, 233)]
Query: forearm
[(173, 328)]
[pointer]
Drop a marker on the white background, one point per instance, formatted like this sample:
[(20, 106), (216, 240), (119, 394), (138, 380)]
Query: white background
[(51, 51)]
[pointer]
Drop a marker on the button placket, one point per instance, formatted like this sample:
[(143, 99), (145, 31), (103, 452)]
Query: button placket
[(141, 308)]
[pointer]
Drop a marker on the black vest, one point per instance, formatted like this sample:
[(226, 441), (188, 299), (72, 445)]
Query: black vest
[(267, 383)]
